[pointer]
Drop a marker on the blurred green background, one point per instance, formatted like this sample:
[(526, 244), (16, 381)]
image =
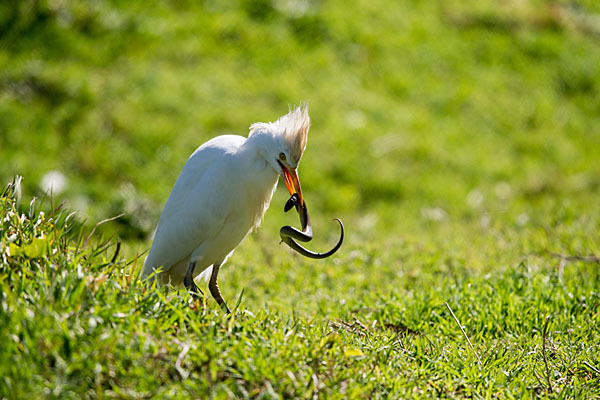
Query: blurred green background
[(457, 140), (426, 115)]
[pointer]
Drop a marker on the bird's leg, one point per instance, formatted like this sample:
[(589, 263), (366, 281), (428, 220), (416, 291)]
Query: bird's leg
[(213, 285), (188, 280)]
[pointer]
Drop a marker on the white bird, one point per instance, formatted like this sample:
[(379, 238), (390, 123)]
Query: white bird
[(221, 194)]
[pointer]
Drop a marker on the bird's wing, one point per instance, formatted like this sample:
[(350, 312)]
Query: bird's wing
[(197, 206)]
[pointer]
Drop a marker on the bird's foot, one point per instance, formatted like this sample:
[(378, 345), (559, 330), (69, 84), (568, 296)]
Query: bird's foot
[(225, 308), (196, 292), (190, 285), (197, 296)]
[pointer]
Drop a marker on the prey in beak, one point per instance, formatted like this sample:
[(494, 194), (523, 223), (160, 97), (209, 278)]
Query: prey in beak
[(288, 233)]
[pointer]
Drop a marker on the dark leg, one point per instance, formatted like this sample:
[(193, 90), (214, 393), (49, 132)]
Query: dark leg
[(188, 280), (214, 288)]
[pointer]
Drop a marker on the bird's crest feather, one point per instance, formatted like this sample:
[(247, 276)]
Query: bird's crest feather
[(293, 127)]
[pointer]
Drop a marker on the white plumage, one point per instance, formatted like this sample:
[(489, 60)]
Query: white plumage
[(221, 194)]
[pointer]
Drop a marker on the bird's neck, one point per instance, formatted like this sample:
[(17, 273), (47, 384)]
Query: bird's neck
[(262, 178), (258, 144)]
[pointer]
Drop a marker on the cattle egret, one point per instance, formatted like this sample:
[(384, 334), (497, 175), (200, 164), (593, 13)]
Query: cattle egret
[(222, 193)]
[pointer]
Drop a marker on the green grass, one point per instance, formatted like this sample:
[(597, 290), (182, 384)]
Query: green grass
[(456, 140), (74, 322)]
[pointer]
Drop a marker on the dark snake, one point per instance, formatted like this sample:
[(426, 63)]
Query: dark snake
[(289, 233)]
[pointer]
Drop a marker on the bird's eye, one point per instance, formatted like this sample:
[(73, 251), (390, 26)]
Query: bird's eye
[(282, 156)]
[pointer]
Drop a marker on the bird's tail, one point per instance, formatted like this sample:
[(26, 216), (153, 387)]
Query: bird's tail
[(146, 270), (205, 275)]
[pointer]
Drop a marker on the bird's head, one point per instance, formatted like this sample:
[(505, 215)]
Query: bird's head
[(282, 144), (289, 135)]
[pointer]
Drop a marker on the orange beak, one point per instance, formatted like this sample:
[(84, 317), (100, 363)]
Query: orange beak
[(292, 182)]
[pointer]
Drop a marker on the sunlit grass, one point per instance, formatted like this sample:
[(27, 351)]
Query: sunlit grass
[(75, 320)]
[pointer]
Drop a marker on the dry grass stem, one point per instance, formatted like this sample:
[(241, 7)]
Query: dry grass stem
[(465, 334), (589, 259), (544, 352), (590, 366)]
